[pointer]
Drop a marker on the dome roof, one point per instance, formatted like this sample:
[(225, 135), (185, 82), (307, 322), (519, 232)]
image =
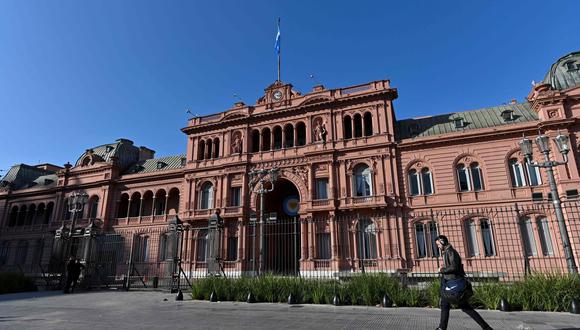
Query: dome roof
[(565, 73)]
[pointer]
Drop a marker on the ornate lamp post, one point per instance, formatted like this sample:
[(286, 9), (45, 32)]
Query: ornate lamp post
[(259, 178), (176, 228), (543, 143)]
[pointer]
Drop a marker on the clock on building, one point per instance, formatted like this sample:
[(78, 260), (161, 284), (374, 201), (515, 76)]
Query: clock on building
[(277, 95)]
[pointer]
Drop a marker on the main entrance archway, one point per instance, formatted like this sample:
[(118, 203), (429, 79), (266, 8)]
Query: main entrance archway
[(282, 236)]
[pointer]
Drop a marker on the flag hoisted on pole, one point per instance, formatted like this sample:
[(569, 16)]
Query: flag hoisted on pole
[(277, 47)]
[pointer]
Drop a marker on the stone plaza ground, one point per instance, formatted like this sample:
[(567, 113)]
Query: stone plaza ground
[(155, 309)]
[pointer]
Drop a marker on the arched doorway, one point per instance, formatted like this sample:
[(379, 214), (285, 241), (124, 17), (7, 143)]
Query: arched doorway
[(282, 235)]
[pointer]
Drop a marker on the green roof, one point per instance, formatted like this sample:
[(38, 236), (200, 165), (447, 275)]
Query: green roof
[(565, 73), (473, 119), (157, 164), (23, 176), (123, 149)]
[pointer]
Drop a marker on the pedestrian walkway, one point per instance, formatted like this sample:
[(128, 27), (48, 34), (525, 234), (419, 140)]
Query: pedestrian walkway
[(148, 309)]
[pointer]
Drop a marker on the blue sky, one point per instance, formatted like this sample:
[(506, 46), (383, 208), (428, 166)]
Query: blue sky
[(77, 74)]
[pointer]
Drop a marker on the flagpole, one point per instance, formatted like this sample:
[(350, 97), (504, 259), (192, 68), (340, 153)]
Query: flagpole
[(279, 52)]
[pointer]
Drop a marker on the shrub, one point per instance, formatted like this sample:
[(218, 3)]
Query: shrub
[(15, 282), (544, 292)]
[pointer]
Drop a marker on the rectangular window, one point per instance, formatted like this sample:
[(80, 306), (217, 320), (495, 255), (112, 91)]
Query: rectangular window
[(517, 174), (420, 239), (201, 246), (545, 238), (232, 248), (433, 233), (414, 183), (235, 196), (487, 238), (476, 175), (321, 188), (463, 177), (534, 175), (472, 238), (427, 182), (528, 237), (323, 245)]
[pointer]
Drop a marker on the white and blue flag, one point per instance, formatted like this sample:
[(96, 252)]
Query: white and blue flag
[(277, 44)]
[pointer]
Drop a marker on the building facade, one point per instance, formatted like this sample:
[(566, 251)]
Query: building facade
[(363, 189)]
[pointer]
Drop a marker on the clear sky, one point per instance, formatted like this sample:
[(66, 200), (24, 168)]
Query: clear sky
[(77, 74)]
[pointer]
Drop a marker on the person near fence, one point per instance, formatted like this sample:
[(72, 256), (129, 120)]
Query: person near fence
[(452, 270), (73, 270)]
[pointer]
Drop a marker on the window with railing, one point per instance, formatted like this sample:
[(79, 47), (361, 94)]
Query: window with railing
[(476, 228), (323, 246), (425, 236), (534, 231)]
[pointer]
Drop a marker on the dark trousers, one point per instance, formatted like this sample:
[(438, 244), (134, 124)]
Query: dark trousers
[(466, 308), (71, 283)]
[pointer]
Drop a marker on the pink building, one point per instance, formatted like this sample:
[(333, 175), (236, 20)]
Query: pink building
[(357, 189)]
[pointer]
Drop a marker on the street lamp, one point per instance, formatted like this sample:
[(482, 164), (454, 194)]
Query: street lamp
[(259, 178), (543, 143), (76, 203)]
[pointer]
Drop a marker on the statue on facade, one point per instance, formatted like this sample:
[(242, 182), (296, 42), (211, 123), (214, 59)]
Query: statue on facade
[(237, 145), (320, 131)]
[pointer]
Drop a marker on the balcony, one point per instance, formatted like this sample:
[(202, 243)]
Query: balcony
[(366, 201), (233, 210)]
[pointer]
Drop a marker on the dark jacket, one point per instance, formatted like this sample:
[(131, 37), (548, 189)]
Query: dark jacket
[(452, 266)]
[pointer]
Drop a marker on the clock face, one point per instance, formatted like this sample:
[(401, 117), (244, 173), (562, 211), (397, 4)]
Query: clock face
[(277, 95)]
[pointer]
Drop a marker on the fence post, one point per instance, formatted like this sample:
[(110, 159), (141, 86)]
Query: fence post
[(129, 269)]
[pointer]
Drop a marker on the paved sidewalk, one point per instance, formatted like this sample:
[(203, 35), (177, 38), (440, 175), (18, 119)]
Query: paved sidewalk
[(147, 309)]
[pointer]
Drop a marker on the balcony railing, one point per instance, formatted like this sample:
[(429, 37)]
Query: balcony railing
[(320, 202)]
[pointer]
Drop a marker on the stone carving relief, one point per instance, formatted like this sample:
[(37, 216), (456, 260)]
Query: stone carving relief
[(553, 114), (302, 172)]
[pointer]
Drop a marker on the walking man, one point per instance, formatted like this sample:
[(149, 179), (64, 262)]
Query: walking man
[(453, 269), (73, 269)]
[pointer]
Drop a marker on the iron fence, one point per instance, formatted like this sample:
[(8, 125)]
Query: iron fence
[(501, 244)]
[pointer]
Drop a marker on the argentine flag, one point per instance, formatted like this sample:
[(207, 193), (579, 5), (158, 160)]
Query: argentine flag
[(277, 44)]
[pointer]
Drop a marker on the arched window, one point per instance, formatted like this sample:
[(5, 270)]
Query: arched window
[(201, 152), (255, 140), (123, 209), (476, 177), (420, 183), (347, 128), (147, 207), (160, 202), (22, 215), (414, 184), (540, 226), (39, 217), (367, 240), (48, 212), (216, 148), (362, 181), (425, 236), (209, 147), (479, 227), (135, 204), (357, 126), (469, 178), (94, 207), (277, 137), (288, 136), (520, 177), (266, 139), (517, 173), (368, 120), (173, 201), (206, 200), (301, 133), (13, 216), (31, 214)]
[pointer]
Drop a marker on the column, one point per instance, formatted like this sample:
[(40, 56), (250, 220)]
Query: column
[(166, 201), (128, 210), (333, 245), (331, 194), (153, 206), (304, 239), (295, 135), (310, 183), (310, 239), (140, 207), (272, 139), (283, 137), (241, 239)]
